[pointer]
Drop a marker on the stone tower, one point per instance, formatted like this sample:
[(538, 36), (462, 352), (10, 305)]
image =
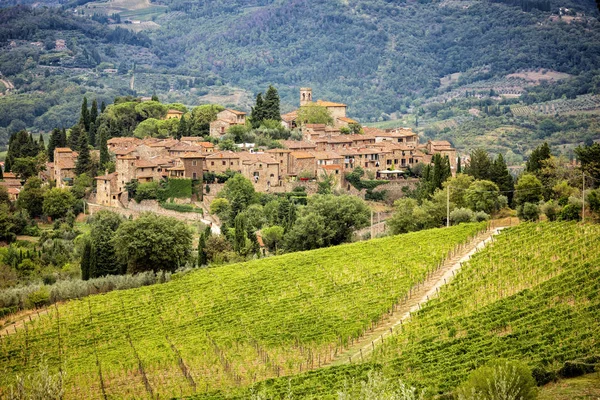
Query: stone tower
[(305, 96)]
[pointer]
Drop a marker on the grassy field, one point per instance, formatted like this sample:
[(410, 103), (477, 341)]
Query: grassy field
[(585, 387), (140, 10), (532, 295), (226, 327)]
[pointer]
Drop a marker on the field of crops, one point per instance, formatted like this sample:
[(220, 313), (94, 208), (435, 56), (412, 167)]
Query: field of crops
[(585, 103), (226, 327), (533, 295)]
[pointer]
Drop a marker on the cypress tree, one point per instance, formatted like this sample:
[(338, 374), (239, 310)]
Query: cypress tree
[(202, 257), (94, 111), (458, 166), (63, 139), (75, 137), (41, 144), (93, 264), (85, 261), (104, 156), (257, 115), (84, 119), (154, 97), (500, 175), (1, 174), (541, 153), (92, 134), (102, 107), (480, 165), (84, 161), (271, 105), (239, 240), (181, 128)]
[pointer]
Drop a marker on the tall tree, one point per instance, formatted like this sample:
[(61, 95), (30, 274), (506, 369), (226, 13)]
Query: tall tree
[(75, 137), (257, 115), (102, 107), (20, 145), (458, 166), (84, 118), (500, 175), (239, 243), (104, 155), (589, 156), (202, 257), (441, 171), (92, 134), (63, 138), (480, 164), (181, 128), (85, 260), (94, 111), (53, 143), (41, 144), (271, 105), (104, 224), (541, 153), (84, 161)]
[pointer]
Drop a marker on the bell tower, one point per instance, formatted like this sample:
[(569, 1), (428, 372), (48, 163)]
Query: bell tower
[(305, 96)]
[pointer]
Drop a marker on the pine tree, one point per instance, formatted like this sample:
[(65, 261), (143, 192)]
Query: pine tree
[(84, 162), (480, 164), (181, 128), (154, 97), (257, 115), (85, 261), (41, 144), (92, 134), (84, 119), (94, 111), (202, 256), (104, 156), (541, 153), (271, 105)]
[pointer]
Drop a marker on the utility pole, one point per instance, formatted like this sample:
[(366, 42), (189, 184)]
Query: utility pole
[(583, 199), (448, 206), (372, 228)]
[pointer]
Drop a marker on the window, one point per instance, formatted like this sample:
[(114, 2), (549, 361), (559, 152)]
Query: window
[(231, 163), (212, 163), (194, 175), (224, 162), (194, 163)]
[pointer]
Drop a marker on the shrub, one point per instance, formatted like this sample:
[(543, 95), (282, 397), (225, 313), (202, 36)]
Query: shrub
[(181, 207), (179, 188), (499, 379), (550, 210), (461, 215), (146, 191), (480, 216), (570, 212), (38, 298), (528, 212)]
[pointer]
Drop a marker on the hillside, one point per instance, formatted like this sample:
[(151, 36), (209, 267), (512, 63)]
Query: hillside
[(532, 296), (221, 328), (381, 58)]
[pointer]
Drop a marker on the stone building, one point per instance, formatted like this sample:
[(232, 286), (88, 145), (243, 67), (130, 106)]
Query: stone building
[(64, 166), (226, 119)]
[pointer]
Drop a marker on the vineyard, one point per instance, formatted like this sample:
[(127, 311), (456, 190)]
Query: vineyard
[(224, 328), (585, 103), (533, 295)]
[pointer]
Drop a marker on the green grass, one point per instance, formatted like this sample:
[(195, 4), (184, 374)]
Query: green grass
[(585, 387), (228, 326), (533, 295)]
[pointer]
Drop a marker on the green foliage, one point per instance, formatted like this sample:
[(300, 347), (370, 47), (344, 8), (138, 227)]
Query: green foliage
[(480, 165), (104, 224), (528, 190), (499, 379), (314, 114), (181, 207), (410, 217), (589, 156), (541, 153), (570, 212), (27, 167), (482, 196), (153, 243), (57, 202), (20, 146), (528, 211), (273, 237), (240, 193), (178, 188), (354, 178), (38, 298), (147, 191), (31, 198)]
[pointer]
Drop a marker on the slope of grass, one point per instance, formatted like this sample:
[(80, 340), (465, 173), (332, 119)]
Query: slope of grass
[(533, 295), (226, 327)]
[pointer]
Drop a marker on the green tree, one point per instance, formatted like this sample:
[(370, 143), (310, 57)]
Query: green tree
[(57, 202), (273, 236), (528, 189), (482, 196), (182, 129), (241, 236), (441, 171), (151, 109), (541, 153), (458, 166), (314, 114), (480, 165), (84, 118), (7, 225), (94, 111), (589, 156), (500, 175), (202, 116), (103, 225), (271, 105), (240, 193), (20, 145), (202, 256), (104, 154), (85, 260), (31, 197), (499, 379), (26, 167), (153, 243), (257, 114), (84, 160), (75, 137), (458, 189)]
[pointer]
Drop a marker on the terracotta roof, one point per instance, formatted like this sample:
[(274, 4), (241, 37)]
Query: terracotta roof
[(278, 151), (331, 166), (324, 103), (177, 168), (191, 138), (301, 154), (108, 177), (121, 151), (175, 112), (257, 157), (234, 111), (289, 117), (145, 164), (294, 144), (316, 126), (193, 154), (122, 140), (145, 175), (67, 163), (440, 143), (223, 154), (10, 175), (182, 147), (207, 145), (326, 155), (126, 157), (347, 120), (13, 190), (162, 160), (63, 150)]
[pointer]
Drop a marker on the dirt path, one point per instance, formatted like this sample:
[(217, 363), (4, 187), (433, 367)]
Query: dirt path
[(15, 322), (419, 294)]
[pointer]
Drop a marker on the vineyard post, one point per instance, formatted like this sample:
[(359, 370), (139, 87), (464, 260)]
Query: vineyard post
[(583, 198), (448, 206)]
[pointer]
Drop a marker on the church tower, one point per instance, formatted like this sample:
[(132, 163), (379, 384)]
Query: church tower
[(305, 96)]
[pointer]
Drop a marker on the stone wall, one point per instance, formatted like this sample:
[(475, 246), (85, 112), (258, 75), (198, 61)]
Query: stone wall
[(134, 209)]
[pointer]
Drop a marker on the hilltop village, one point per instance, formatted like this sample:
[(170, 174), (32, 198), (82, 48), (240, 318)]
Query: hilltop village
[(386, 154)]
